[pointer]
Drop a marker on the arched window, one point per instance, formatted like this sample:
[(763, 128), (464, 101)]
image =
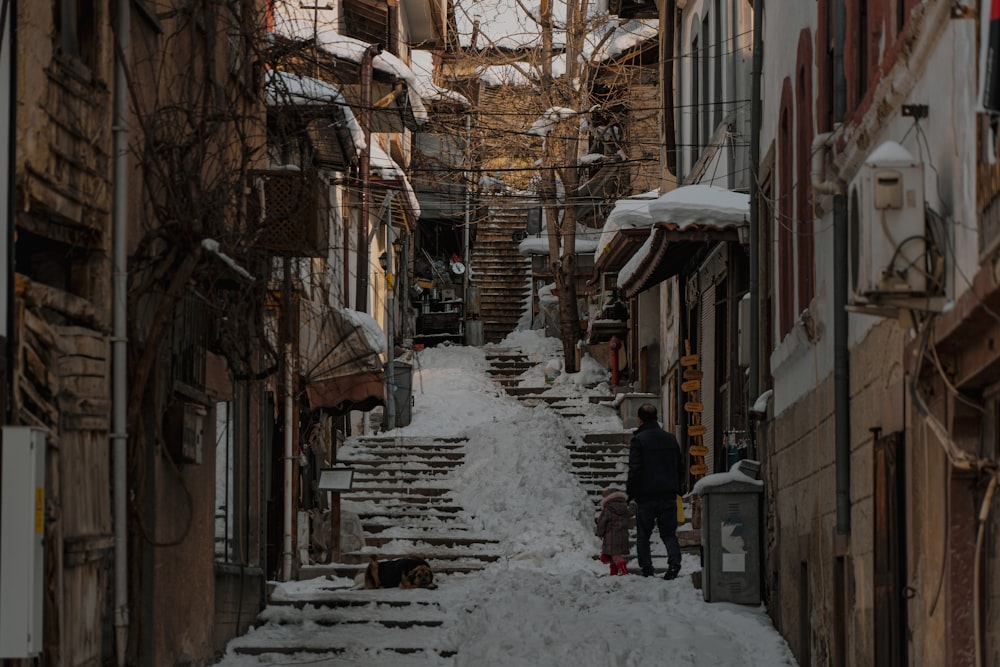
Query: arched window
[(785, 213), (805, 218)]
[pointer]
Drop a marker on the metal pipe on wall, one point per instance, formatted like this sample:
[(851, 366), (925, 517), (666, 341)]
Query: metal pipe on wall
[(8, 44), (841, 355), (755, 121), (119, 339)]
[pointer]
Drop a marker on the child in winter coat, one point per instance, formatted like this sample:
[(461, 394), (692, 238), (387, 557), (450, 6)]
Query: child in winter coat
[(612, 528)]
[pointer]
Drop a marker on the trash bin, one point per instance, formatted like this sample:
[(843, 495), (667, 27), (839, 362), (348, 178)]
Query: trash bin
[(400, 380), (731, 534)]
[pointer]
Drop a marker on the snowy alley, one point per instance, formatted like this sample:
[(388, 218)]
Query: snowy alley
[(545, 599)]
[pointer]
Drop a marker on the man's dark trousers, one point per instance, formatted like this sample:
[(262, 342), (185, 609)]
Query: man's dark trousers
[(662, 512)]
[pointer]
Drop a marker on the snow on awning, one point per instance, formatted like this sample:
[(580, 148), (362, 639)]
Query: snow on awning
[(687, 217), (340, 356), (628, 213), (385, 169)]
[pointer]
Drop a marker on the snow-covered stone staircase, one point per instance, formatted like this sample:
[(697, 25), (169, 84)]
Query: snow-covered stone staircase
[(401, 495), (599, 455), (403, 498)]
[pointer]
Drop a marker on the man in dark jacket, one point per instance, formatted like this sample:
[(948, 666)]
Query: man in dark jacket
[(654, 464)]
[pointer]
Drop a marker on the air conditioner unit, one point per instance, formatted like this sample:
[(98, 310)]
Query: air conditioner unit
[(889, 246)]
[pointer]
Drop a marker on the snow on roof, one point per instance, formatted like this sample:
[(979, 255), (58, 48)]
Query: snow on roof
[(422, 64), (534, 245), (548, 120), (701, 204), (296, 26), (387, 169), (584, 243), (286, 88), (352, 49), (504, 75), (623, 37), (628, 213)]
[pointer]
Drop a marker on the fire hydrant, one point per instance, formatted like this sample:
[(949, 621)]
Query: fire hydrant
[(614, 345)]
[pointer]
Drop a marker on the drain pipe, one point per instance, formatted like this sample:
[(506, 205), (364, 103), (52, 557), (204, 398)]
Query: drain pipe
[(8, 41), (755, 122), (119, 340), (822, 183)]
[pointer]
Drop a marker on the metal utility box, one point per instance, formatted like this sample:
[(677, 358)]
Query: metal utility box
[(731, 538), (22, 528), (400, 383)]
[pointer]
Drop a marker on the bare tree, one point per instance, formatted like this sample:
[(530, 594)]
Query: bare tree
[(540, 115)]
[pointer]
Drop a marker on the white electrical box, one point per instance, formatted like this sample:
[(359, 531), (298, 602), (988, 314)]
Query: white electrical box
[(22, 528), (888, 239)]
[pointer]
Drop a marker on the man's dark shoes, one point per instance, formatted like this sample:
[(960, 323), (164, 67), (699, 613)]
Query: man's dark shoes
[(673, 569), (647, 573)]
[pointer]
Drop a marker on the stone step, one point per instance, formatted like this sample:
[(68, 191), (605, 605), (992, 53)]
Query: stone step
[(388, 500), (374, 526), (379, 466), (595, 448), (528, 391), (445, 514), (438, 540), (348, 456), (442, 561), (410, 441), (409, 490), (620, 437), (333, 646), (595, 465)]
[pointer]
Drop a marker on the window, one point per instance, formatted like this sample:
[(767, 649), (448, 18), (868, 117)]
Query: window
[(717, 97), (889, 553), (805, 225), (75, 29), (225, 481), (190, 342), (706, 71), (372, 21), (696, 101), (862, 39), (235, 467), (786, 257)]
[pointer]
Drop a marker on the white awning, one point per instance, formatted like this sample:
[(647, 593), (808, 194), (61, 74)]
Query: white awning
[(685, 218)]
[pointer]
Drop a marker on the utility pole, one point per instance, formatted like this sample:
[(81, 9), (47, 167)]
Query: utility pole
[(390, 316)]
